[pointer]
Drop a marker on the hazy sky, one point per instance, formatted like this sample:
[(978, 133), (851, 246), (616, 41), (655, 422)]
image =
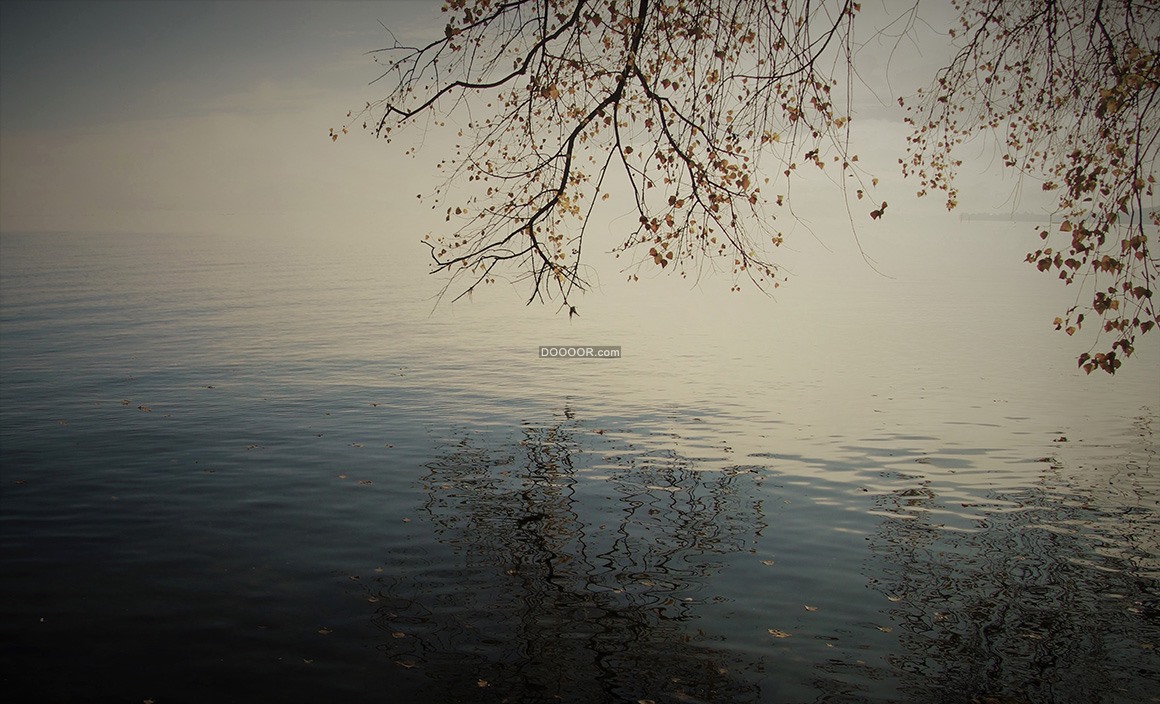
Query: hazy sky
[(193, 116), (168, 116)]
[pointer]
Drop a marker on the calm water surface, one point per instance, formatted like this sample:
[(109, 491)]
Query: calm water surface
[(265, 471)]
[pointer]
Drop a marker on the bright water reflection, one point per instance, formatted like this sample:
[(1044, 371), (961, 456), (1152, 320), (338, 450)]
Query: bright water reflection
[(267, 472)]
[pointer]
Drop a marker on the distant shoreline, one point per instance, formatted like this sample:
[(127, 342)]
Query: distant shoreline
[(1007, 217), (1019, 217)]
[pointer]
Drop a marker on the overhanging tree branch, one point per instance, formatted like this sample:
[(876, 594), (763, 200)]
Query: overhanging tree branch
[(688, 99)]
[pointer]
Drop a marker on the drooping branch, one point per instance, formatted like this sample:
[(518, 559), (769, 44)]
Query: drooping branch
[(1069, 91), (682, 97)]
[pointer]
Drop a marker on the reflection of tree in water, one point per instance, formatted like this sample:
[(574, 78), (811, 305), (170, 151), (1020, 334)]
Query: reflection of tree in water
[(1053, 599), (584, 571)]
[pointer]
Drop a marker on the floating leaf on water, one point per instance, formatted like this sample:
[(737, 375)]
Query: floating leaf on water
[(482, 683), (885, 629), (810, 608), (307, 660), (406, 663), (325, 631), (356, 444), (779, 634), (146, 409), (398, 634), (894, 597), (406, 520), (767, 563), (364, 482)]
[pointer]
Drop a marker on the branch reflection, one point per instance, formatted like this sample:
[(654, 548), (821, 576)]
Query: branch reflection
[(586, 555), (1054, 598)]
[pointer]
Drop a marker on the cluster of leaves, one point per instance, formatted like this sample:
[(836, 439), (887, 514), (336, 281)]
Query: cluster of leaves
[(1071, 89), (671, 101)]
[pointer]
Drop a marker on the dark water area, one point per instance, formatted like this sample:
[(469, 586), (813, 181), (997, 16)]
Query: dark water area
[(266, 472)]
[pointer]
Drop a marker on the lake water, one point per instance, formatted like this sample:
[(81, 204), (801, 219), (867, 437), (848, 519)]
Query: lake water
[(259, 470)]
